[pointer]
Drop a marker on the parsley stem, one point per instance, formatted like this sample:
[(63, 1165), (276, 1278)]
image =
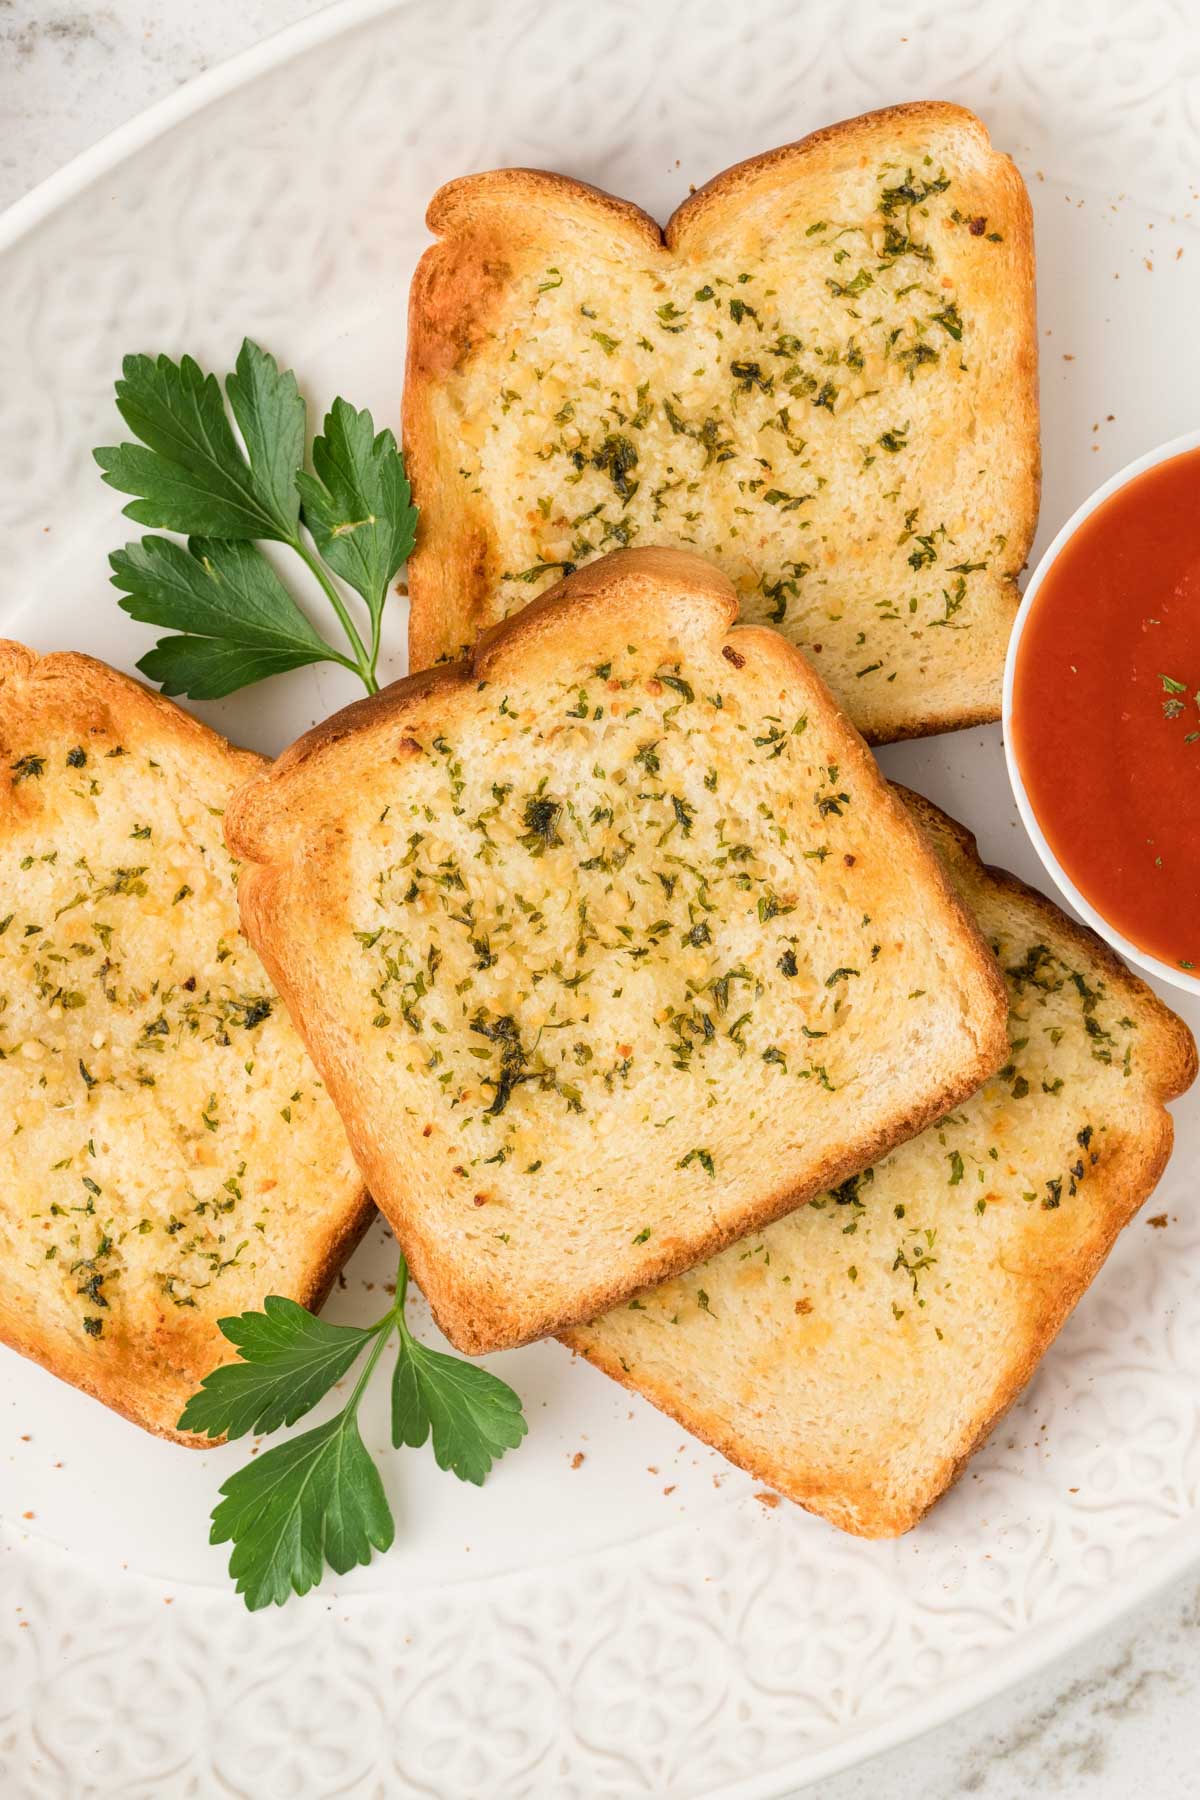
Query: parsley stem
[(377, 634), (384, 1332), (364, 665), (347, 662)]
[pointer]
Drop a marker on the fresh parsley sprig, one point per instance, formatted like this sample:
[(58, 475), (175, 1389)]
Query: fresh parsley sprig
[(350, 520), (318, 1498)]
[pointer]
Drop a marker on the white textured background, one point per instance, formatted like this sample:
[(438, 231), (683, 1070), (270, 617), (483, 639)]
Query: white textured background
[(1118, 1718)]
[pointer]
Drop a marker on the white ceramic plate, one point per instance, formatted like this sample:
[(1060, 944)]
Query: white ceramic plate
[(638, 1624)]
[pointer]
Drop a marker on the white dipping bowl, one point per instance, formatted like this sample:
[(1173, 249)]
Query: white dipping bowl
[(1179, 978)]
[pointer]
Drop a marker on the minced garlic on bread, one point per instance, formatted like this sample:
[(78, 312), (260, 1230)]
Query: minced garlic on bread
[(822, 375), (168, 1155), (611, 944), (856, 1353)]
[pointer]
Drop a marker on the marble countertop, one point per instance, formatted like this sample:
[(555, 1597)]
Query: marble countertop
[(1121, 1715)]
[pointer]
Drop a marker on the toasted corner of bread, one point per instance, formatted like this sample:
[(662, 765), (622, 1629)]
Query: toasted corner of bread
[(175, 1158), (611, 944), (856, 1353)]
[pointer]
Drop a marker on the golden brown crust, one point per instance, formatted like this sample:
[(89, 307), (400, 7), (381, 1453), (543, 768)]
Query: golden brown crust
[(99, 700), (828, 148), (471, 202), (282, 815), (1117, 1190), (460, 292), (68, 681)]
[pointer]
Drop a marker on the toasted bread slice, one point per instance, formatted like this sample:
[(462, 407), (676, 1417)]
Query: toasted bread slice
[(168, 1155), (611, 944), (822, 375), (856, 1353)]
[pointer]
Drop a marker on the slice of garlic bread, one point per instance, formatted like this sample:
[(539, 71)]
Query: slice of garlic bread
[(168, 1155), (611, 944), (822, 375), (855, 1354)]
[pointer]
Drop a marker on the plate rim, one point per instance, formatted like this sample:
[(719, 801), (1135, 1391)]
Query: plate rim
[(335, 19), (1030, 1650), (1044, 1646)]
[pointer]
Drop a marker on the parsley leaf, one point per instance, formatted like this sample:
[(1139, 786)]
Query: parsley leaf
[(209, 668), (269, 410), (318, 1498), (189, 473), (237, 613), (191, 476), (472, 1416), (290, 1360), (314, 1500), (358, 504)]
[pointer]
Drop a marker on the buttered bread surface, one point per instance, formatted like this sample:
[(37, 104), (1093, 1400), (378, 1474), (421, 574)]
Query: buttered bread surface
[(823, 377), (168, 1155)]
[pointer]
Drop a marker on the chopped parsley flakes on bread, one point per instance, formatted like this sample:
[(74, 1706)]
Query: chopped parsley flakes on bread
[(168, 1155), (822, 376), (857, 1352), (611, 943)]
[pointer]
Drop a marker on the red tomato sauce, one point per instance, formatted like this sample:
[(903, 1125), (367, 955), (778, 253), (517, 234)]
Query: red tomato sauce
[(1106, 710)]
